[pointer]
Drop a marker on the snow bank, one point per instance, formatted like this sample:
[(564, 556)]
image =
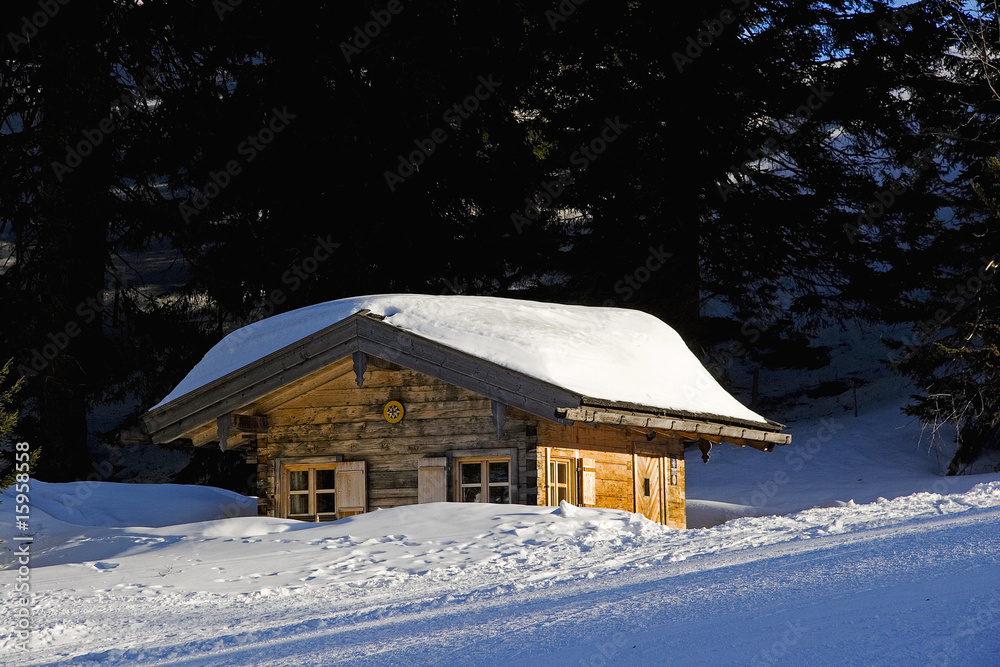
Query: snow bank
[(390, 545), (606, 353), (112, 504), (431, 583)]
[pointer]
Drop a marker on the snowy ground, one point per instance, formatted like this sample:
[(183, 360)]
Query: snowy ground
[(902, 567)]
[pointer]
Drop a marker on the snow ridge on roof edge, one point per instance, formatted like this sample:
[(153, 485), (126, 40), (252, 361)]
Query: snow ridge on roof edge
[(613, 354)]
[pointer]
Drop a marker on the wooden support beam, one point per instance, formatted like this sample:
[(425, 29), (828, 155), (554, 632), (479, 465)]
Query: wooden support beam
[(249, 423), (223, 424), (230, 423), (360, 366), (635, 479), (706, 450), (499, 416)]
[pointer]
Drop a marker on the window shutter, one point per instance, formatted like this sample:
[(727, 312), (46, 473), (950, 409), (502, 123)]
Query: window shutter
[(588, 483), (352, 496), (432, 481)]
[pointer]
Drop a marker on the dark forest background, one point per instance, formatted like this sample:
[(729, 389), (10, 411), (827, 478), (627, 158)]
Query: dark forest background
[(171, 170)]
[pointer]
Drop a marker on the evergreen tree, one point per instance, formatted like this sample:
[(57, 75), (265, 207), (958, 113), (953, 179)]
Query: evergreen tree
[(78, 191), (8, 420), (952, 299), (953, 354), (8, 417), (759, 136), (635, 153)]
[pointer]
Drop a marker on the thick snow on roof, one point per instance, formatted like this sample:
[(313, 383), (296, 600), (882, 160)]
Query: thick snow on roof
[(613, 354)]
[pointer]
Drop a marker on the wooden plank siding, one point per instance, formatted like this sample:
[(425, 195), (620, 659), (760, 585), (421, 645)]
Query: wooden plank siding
[(614, 450), (336, 417)]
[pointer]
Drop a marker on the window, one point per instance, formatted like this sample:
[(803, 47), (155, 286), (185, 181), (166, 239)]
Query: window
[(312, 493), (562, 478), (483, 480), (323, 491)]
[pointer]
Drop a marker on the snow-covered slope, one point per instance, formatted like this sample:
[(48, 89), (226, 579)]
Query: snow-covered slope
[(607, 353), (901, 568), (904, 581)]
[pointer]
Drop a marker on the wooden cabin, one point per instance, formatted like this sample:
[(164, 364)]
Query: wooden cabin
[(362, 414)]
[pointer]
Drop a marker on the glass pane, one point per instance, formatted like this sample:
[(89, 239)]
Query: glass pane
[(325, 479), (472, 473), (471, 494), (561, 494), (299, 504), (499, 494), (298, 480), (499, 471), (561, 470), (326, 502)]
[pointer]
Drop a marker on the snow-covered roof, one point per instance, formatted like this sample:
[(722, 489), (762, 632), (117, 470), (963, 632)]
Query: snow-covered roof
[(610, 354)]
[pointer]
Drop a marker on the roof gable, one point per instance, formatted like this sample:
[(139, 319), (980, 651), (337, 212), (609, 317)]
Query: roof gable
[(358, 334)]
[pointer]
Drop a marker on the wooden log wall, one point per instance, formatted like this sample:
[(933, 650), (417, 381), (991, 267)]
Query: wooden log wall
[(615, 452), (331, 415)]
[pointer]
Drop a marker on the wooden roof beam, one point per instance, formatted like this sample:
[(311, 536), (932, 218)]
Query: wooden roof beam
[(686, 428)]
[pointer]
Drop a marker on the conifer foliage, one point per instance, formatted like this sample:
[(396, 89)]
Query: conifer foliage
[(171, 170), (954, 356)]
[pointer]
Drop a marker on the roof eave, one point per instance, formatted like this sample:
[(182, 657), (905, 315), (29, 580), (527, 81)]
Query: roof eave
[(625, 406), (687, 428)]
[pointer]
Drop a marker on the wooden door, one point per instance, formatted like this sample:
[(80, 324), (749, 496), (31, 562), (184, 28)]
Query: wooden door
[(649, 486)]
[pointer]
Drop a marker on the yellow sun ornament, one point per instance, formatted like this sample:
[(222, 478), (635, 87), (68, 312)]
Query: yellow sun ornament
[(393, 412)]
